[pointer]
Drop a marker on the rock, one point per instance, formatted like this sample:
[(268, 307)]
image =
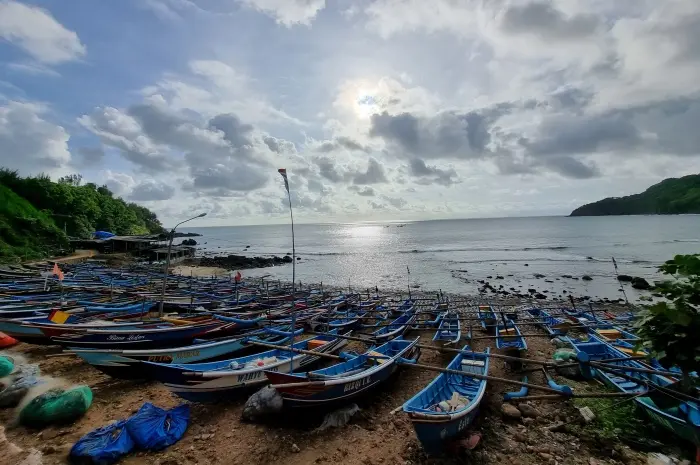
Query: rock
[(586, 414), (527, 264), (625, 278), (47, 450), (528, 421), (338, 417), (640, 283), (558, 427), (264, 402), (546, 456), (509, 411), (500, 277), (539, 295), (528, 411), (589, 258), (538, 275), (585, 277), (295, 449), (519, 436), (657, 458), (567, 276)]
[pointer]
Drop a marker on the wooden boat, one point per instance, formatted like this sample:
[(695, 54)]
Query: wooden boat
[(509, 338), (460, 394), (146, 338), (679, 417), (552, 325), (344, 381), (201, 382), (32, 330), (405, 307), (128, 364), (450, 330), (394, 329), (487, 317)]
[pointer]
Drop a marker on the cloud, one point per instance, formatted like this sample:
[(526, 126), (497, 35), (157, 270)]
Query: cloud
[(150, 189), (34, 30), (341, 142), (279, 145), (224, 180), (287, 12), (90, 156), (432, 175), (363, 191), (375, 174), (447, 134), (543, 20), (33, 68), (119, 183), (29, 143)]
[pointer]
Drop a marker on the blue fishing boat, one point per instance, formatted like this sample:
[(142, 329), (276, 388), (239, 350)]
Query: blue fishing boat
[(405, 307), (450, 403), (552, 325), (146, 338), (202, 382), (487, 317), (128, 364), (450, 330), (509, 337), (344, 381), (394, 329), (680, 417)]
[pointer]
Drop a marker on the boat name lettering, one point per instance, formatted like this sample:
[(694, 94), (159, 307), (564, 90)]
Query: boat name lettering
[(187, 354), (253, 375), (160, 358), (130, 337), (354, 385)]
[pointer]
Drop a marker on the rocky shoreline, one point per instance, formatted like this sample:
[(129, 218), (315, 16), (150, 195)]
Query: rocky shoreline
[(241, 262)]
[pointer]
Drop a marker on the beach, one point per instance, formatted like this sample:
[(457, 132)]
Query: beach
[(378, 434)]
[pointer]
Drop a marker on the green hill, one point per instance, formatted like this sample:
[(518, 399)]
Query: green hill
[(37, 215), (671, 196), (25, 232)]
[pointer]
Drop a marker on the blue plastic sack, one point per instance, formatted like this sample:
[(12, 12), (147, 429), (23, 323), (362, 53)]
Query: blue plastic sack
[(103, 446), (154, 428)]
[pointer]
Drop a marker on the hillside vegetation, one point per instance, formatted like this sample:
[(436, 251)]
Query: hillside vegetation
[(37, 215), (669, 197)]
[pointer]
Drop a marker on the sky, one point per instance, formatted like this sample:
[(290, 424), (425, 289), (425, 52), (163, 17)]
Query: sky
[(378, 109)]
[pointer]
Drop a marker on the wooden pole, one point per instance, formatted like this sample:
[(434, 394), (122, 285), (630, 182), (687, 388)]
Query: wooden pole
[(294, 349), (478, 376), (576, 396)]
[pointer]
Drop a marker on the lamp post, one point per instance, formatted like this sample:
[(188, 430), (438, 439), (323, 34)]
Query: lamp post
[(167, 261)]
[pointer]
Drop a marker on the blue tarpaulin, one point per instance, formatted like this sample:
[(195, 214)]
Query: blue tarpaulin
[(154, 428), (103, 234)]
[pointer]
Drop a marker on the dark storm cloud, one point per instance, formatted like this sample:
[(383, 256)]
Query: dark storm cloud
[(541, 18)]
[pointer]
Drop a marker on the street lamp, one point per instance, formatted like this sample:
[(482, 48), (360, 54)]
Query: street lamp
[(167, 261)]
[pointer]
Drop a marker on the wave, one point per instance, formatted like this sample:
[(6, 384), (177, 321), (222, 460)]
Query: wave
[(484, 249)]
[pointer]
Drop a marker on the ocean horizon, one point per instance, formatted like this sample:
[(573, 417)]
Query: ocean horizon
[(549, 253)]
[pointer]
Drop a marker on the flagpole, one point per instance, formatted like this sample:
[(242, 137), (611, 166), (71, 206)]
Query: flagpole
[(283, 173)]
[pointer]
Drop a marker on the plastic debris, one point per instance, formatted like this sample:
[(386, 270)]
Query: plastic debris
[(7, 341), (566, 356), (103, 446), (264, 402), (587, 414), (339, 417), (154, 428), (56, 405), (18, 384), (7, 366)]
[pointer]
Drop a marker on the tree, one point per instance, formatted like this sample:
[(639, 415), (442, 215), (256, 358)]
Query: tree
[(669, 330)]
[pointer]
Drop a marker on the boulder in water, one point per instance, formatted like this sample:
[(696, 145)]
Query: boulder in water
[(625, 278), (640, 283)]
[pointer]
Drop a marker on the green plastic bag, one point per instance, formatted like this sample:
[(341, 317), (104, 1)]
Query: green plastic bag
[(6, 366), (564, 355), (56, 406)]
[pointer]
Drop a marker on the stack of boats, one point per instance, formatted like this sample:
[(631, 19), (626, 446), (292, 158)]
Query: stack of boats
[(216, 338)]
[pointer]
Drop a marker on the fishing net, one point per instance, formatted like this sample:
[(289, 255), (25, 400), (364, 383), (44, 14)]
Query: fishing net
[(565, 357), (18, 384), (6, 366), (154, 428), (56, 406), (103, 446)]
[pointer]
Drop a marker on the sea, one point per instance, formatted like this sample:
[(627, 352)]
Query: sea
[(453, 255)]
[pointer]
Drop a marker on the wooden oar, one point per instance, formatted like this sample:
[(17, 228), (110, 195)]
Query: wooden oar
[(606, 365)]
